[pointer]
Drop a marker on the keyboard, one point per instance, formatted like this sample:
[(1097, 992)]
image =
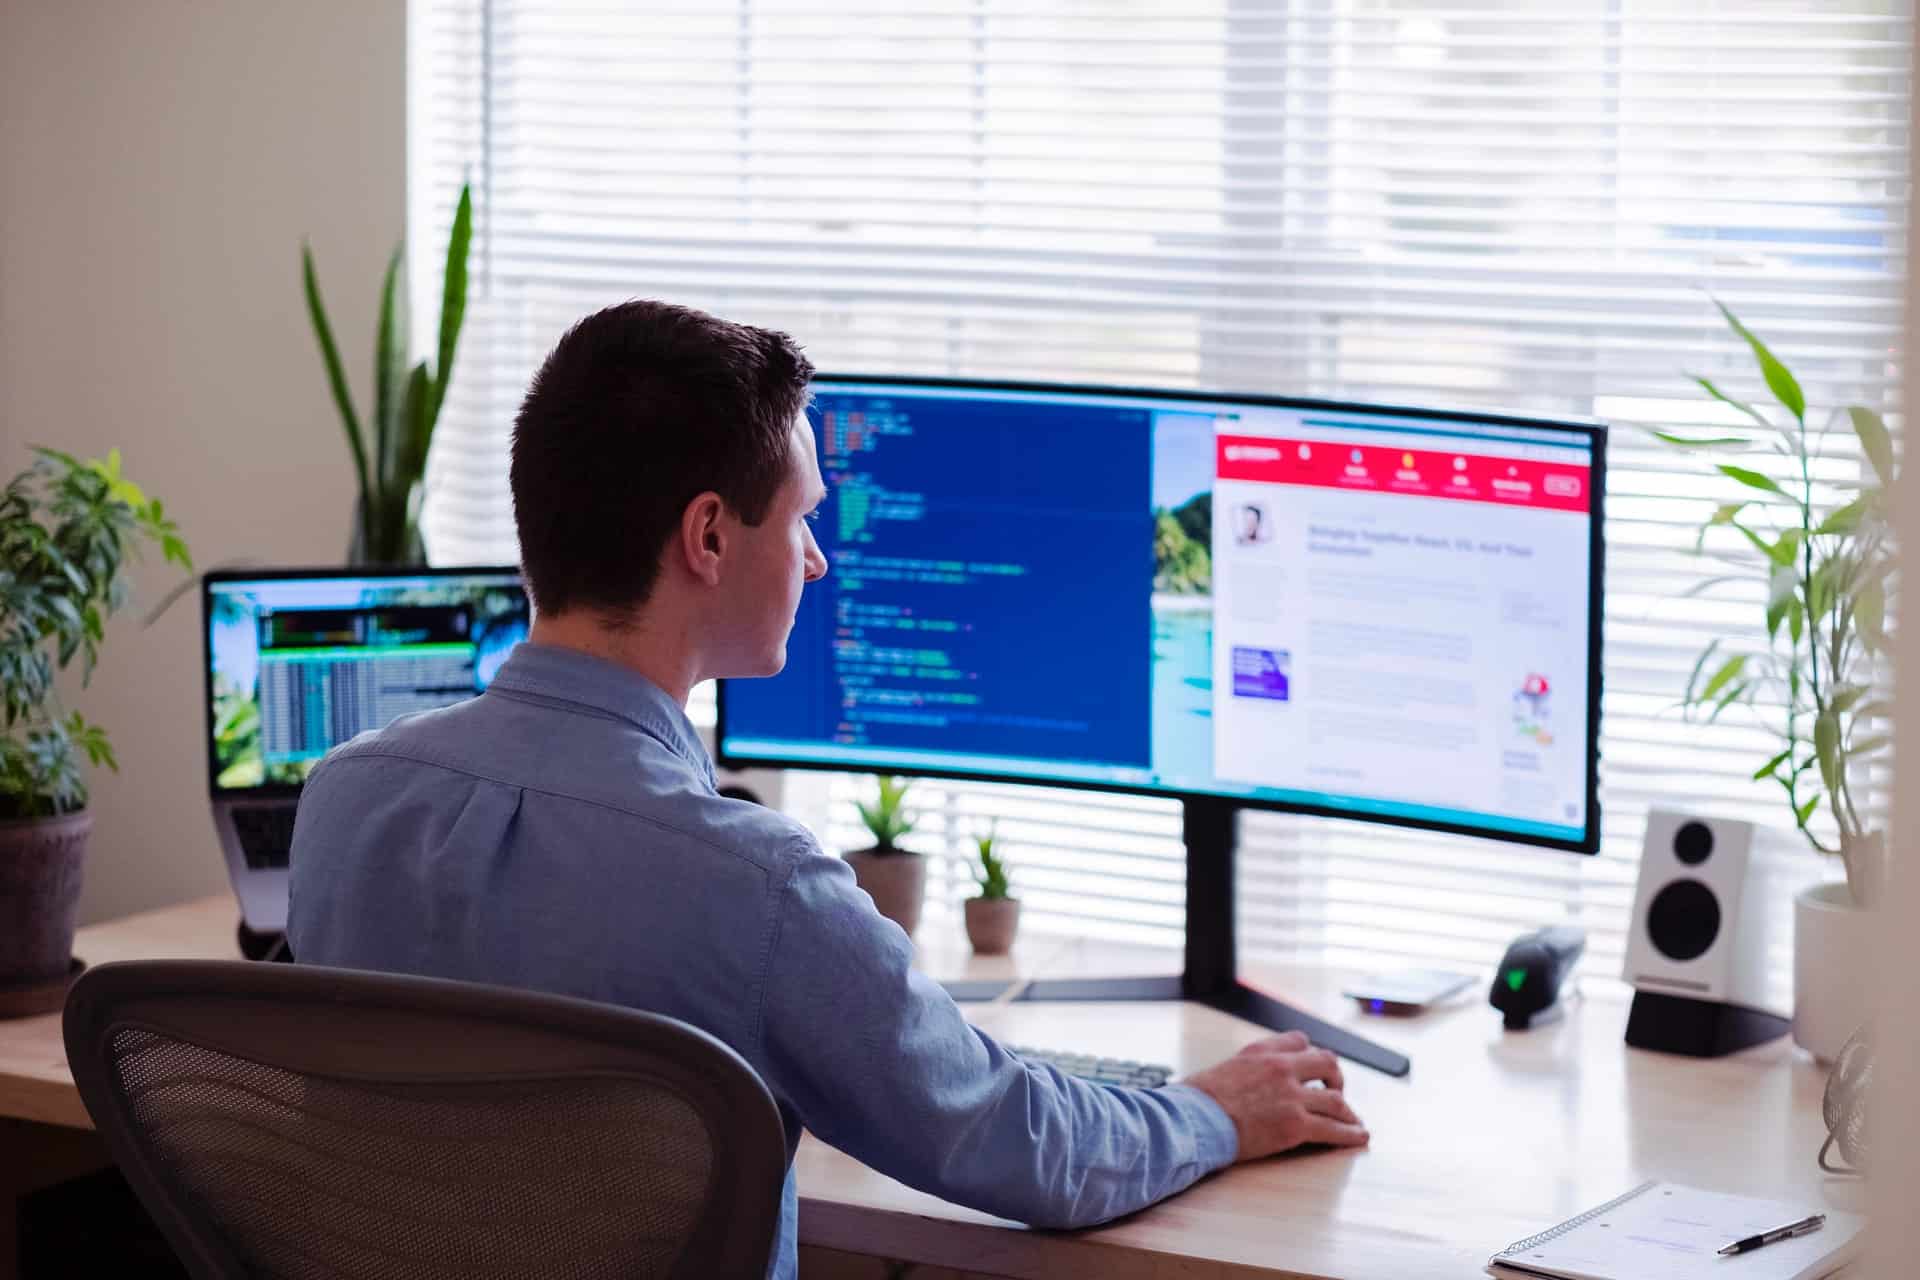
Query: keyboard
[(1140, 1075), (266, 834)]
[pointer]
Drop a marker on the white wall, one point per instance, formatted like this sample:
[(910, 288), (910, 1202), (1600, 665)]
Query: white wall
[(159, 163), (1895, 1135)]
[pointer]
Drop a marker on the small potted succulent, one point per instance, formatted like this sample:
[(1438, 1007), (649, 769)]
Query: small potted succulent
[(993, 916), (67, 528), (895, 878)]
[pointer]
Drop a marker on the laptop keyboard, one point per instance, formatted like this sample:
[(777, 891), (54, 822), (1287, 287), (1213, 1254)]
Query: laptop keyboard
[(266, 834), (1140, 1075)]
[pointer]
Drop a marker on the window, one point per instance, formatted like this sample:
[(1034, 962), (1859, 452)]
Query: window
[(1506, 205)]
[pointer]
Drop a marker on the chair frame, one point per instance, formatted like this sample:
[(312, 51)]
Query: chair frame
[(375, 1028)]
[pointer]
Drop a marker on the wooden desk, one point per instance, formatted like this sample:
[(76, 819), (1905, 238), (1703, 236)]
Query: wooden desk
[(46, 1136), (1493, 1136), (34, 1081)]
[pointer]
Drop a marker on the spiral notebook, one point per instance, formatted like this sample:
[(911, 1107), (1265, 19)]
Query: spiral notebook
[(1663, 1231)]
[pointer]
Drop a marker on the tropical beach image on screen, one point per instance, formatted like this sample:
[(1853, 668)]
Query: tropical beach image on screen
[(1183, 548), (1183, 594)]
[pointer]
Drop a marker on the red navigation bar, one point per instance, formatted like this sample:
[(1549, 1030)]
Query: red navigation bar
[(1419, 473)]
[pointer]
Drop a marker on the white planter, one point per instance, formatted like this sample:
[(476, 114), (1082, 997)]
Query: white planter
[(1832, 974)]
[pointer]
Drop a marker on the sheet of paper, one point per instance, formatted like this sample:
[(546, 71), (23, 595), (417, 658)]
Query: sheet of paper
[(1675, 1233)]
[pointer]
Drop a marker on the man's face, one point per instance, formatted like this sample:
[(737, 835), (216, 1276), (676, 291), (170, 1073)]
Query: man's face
[(774, 560)]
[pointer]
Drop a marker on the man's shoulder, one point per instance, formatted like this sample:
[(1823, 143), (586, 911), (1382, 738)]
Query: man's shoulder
[(388, 758), (417, 734), (751, 831), (650, 786)]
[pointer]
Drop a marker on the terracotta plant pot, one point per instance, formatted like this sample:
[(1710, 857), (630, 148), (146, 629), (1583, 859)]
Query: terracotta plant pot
[(991, 924), (40, 865), (896, 881)]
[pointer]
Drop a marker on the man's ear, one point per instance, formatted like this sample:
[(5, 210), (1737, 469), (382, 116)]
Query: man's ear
[(704, 529)]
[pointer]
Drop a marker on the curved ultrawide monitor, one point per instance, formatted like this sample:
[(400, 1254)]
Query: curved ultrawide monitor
[(1359, 611)]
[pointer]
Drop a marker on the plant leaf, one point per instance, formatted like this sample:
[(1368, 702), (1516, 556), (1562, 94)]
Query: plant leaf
[(1843, 700), (1874, 439), (1752, 479), (1727, 699), (1805, 811), (1699, 665), (1842, 520), (1781, 585), (1796, 620), (174, 550), (1870, 614), (1776, 612), (1726, 399), (1771, 550), (1786, 550), (1867, 746), (416, 423), (1779, 381), (1729, 671), (1826, 746), (1766, 770), (389, 366), (1722, 515), (1699, 442), (330, 354), (453, 300)]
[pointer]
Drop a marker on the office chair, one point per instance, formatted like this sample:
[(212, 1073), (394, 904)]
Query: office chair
[(295, 1121)]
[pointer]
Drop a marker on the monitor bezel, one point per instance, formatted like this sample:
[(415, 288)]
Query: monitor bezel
[(271, 573), (1596, 435)]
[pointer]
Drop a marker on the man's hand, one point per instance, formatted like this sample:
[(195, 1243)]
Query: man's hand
[(1281, 1092)]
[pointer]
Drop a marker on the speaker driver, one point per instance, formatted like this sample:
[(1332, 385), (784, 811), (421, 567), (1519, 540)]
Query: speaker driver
[(1693, 843), (1684, 920)]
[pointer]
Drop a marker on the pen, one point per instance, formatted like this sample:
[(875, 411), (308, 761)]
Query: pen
[(1803, 1227)]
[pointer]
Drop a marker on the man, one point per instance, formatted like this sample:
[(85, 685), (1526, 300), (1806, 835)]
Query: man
[(562, 831), (1251, 525)]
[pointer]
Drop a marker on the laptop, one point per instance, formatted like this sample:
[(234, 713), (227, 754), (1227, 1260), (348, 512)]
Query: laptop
[(300, 660)]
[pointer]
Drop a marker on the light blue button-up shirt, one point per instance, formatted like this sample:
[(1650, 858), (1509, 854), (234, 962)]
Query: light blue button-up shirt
[(562, 832)]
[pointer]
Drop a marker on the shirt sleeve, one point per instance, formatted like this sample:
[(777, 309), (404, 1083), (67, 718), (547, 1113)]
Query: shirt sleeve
[(878, 1061)]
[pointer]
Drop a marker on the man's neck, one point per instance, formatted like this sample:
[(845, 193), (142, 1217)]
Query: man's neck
[(660, 655)]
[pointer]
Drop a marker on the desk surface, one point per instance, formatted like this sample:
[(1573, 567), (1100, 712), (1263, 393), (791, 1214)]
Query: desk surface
[(1492, 1136), (34, 1081)]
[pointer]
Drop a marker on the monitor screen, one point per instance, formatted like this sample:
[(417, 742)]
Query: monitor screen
[(1359, 611), (299, 662)]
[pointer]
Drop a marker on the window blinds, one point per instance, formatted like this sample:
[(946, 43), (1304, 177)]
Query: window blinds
[(1506, 204)]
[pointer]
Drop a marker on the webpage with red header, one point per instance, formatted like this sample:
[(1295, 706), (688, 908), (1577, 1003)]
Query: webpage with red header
[(1401, 612)]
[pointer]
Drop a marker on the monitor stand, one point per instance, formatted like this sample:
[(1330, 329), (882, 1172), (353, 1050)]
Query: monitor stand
[(1210, 828)]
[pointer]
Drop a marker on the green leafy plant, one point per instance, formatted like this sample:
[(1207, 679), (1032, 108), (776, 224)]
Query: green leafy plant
[(67, 530), (992, 876), (887, 817), (405, 405), (1827, 563)]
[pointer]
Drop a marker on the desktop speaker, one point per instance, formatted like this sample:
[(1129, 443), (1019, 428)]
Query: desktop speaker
[(1697, 944)]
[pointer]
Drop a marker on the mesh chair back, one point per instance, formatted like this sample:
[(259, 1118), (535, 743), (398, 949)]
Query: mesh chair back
[(293, 1121)]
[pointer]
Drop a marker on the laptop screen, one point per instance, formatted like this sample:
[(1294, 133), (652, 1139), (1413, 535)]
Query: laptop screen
[(298, 662)]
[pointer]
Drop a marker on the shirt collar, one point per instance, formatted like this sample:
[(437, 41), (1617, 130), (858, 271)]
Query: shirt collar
[(567, 675)]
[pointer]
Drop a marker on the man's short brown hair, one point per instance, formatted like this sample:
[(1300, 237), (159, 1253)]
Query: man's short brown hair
[(638, 410)]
